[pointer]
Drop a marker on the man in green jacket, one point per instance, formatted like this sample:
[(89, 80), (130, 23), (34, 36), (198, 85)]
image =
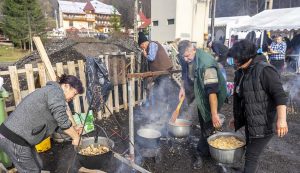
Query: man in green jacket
[(201, 72)]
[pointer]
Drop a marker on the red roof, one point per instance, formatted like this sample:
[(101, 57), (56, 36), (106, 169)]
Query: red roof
[(89, 7), (145, 21)]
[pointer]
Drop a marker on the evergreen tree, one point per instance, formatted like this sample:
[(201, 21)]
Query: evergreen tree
[(115, 21), (22, 20)]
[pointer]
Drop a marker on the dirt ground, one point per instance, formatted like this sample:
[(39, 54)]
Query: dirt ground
[(282, 155)]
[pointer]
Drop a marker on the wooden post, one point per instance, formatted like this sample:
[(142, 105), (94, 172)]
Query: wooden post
[(30, 78), (42, 74), (72, 71), (131, 105), (115, 82), (59, 69), (83, 80), (110, 100), (15, 84), (44, 57), (124, 83)]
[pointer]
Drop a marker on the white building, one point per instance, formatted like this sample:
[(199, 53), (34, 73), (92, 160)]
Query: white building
[(184, 19), (87, 16)]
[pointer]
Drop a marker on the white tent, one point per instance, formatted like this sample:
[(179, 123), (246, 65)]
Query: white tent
[(229, 22), (272, 20), (224, 21)]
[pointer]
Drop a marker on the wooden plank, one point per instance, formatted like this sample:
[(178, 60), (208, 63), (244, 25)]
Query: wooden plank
[(11, 108), (72, 71), (125, 101), (83, 80), (15, 84), (132, 70), (109, 100), (24, 93), (29, 77), (44, 57), (42, 74), (124, 81), (150, 73), (115, 78), (4, 73), (59, 69)]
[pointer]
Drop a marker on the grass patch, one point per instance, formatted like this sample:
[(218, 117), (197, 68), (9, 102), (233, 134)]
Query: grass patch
[(11, 54)]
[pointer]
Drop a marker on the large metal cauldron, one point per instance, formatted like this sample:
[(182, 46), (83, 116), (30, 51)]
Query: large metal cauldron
[(180, 129), (148, 138), (229, 156), (101, 161)]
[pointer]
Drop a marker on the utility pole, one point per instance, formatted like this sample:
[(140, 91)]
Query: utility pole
[(135, 20), (212, 25)]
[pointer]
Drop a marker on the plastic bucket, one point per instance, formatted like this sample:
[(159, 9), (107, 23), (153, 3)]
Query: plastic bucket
[(44, 145)]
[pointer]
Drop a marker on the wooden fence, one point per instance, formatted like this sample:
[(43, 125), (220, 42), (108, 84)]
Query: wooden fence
[(118, 65)]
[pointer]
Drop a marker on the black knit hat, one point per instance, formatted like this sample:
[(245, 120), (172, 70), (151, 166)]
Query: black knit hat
[(142, 38)]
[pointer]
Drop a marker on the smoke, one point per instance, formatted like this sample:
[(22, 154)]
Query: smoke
[(292, 86), (159, 105)]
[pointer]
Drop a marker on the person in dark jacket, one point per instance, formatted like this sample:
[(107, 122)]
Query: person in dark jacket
[(37, 116), (258, 99), (220, 51)]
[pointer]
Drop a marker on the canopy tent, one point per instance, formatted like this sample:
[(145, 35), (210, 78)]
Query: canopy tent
[(224, 21), (228, 23), (272, 20)]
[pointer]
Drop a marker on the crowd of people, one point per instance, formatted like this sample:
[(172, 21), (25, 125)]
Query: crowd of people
[(259, 100)]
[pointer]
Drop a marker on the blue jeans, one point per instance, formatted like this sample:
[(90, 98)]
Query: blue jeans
[(25, 159)]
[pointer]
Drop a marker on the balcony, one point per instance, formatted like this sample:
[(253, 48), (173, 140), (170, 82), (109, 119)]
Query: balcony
[(79, 18), (103, 24), (103, 18)]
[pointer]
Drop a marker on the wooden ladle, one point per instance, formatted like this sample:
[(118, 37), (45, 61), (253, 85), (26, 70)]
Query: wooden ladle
[(176, 112)]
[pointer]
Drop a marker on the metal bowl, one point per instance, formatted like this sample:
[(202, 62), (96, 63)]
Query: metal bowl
[(148, 138), (180, 129), (226, 156)]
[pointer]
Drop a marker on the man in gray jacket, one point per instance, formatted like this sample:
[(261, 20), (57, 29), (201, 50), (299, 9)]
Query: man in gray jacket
[(37, 116)]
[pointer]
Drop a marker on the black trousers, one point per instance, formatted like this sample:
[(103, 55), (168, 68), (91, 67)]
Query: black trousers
[(206, 130), (254, 149), (206, 127)]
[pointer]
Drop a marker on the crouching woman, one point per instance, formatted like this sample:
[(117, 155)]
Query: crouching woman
[(37, 116)]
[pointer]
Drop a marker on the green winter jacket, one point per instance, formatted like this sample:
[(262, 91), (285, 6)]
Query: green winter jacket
[(203, 62)]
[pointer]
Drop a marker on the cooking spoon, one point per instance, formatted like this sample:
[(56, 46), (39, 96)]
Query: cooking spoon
[(176, 112)]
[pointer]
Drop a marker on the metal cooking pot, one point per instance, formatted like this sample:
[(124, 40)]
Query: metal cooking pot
[(181, 128), (101, 161), (228, 156), (148, 138)]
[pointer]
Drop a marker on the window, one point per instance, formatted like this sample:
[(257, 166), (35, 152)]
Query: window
[(171, 21), (155, 23), (90, 24), (71, 23)]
